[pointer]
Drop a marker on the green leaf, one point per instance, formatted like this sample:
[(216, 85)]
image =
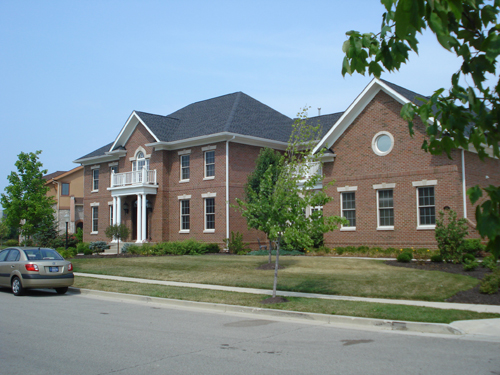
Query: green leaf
[(374, 69), (474, 193)]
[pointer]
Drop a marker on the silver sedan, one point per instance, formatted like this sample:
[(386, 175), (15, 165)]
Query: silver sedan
[(34, 267)]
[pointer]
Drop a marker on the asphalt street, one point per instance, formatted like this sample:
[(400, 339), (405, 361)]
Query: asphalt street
[(45, 333)]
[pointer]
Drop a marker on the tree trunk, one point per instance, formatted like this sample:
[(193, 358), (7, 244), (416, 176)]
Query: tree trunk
[(118, 248), (276, 266), (270, 250)]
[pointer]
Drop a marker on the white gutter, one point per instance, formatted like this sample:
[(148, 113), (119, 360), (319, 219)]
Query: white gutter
[(227, 186)]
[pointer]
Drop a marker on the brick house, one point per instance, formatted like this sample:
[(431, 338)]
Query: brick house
[(174, 177)]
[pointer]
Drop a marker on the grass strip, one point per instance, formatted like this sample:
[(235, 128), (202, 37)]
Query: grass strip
[(312, 305), (325, 275)]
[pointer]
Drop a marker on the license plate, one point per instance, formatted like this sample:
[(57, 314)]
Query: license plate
[(53, 269)]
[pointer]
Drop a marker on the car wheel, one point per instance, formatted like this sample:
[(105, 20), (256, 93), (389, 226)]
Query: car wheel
[(17, 287), (62, 290)]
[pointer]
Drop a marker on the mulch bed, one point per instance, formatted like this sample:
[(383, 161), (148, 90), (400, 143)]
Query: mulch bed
[(467, 296)]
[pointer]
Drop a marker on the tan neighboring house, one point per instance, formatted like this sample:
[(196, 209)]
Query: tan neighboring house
[(67, 190)]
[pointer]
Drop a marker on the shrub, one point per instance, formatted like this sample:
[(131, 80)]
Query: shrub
[(436, 258), (82, 247), (469, 257), (125, 248), (450, 236), (133, 249), (470, 265), (11, 243), (79, 234), (490, 262), (236, 245), (98, 246), (212, 248), (473, 246), (72, 252), (362, 249), (339, 250), (490, 283), (404, 257)]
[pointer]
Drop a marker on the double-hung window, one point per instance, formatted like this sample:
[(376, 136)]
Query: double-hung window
[(426, 203), (348, 206), (209, 164), (209, 214), (349, 209), (185, 161), (95, 217), (385, 203), (426, 207), (185, 212), (95, 179)]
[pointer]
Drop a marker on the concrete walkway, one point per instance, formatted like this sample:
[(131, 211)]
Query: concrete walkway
[(484, 327)]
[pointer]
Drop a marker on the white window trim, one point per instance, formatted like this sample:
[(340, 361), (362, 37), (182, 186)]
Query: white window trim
[(384, 186), (208, 195), (209, 148), (92, 205), (349, 190), (113, 164), (205, 177), (424, 183), (110, 213), (93, 168), (184, 152), (184, 198), (182, 181), (424, 227), (140, 149), (374, 143), (384, 227)]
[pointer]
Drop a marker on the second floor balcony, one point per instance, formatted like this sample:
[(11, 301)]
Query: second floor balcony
[(134, 178)]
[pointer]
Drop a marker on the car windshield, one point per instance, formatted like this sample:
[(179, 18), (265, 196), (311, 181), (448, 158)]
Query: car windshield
[(42, 254)]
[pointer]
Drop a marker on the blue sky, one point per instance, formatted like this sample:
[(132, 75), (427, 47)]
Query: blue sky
[(71, 72)]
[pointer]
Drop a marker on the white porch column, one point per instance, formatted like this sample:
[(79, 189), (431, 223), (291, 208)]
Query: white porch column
[(143, 221), (118, 212), (139, 218), (114, 211)]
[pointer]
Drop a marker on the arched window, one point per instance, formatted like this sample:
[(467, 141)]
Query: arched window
[(140, 162)]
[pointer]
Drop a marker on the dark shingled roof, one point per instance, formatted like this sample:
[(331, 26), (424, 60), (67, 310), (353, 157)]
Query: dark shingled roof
[(98, 152), (53, 175), (410, 95), (326, 121)]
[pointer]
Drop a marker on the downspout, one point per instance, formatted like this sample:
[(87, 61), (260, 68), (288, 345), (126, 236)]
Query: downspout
[(227, 187)]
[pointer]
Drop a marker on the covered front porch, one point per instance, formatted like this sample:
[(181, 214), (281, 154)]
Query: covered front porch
[(130, 192)]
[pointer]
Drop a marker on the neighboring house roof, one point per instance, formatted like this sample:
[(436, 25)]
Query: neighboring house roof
[(411, 96), (52, 175), (60, 174)]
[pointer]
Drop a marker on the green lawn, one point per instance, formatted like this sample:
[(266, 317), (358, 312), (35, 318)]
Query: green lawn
[(350, 277), (313, 305)]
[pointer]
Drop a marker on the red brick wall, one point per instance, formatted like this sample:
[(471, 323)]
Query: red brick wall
[(356, 164)]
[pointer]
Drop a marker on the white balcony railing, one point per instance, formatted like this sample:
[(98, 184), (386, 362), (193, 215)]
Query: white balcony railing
[(142, 177)]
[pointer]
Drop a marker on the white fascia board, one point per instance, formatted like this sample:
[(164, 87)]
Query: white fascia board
[(353, 111), (97, 159), (129, 128), (219, 137)]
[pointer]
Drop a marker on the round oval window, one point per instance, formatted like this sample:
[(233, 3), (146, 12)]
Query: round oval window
[(382, 143)]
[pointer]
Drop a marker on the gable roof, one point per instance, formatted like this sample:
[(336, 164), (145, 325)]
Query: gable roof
[(52, 175), (399, 93), (60, 174)]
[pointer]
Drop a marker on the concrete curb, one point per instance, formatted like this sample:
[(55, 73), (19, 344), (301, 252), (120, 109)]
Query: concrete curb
[(339, 320)]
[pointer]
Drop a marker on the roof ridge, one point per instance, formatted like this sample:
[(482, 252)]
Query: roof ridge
[(233, 111)]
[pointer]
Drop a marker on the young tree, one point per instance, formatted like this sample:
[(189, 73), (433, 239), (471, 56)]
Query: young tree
[(118, 231), (466, 114), (258, 199), (26, 204), (287, 198)]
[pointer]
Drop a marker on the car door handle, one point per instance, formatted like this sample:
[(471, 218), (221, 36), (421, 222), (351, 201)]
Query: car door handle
[(12, 266)]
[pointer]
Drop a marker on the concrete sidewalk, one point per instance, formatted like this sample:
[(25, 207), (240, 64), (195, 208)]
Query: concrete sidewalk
[(487, 327)]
